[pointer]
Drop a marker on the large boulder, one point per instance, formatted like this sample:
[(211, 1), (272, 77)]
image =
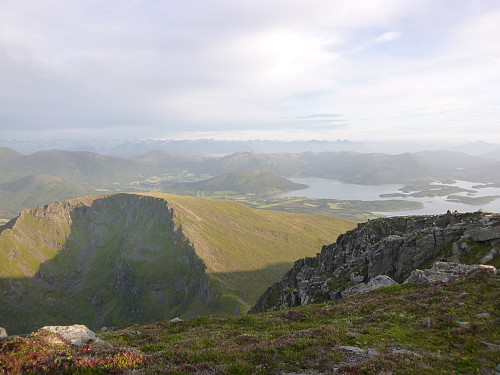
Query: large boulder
[(380, 281), (3, 333), (442, 272), (76, 334)]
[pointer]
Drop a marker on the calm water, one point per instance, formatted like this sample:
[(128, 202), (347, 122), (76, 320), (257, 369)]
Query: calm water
[(334, 189)]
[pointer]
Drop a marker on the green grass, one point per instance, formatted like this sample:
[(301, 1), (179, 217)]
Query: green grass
[(118, 259), (414, 329), (308, 338), (245, 249), (37, 190), (352, 210), (260, 182)]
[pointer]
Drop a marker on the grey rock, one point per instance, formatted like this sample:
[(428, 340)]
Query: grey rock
[(404, 351), (485, 234), (367, 353), (338, 271), (377, 282), (427, 323), (357, 278), (416, 277), (489, 257), (484, 315), (445, 271), (76, 334), (352, 349), (175, 320), (395, 247), (3, 333), (380, 281)]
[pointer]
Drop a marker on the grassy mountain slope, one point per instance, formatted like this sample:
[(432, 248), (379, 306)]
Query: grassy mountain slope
[(244, 182), (37, 190), (123, 258), (102, 260), (493, 154), (100, 170), (489, 174), (7, 155), (150, 171), (244, 248), (454, 160), (402, 329), (369, 168), (77, 166)]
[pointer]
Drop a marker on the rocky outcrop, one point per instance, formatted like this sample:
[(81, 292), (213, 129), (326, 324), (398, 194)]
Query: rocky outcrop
[(442, 272), (3, 333), (393, 247), (380, 281), (76, 334)]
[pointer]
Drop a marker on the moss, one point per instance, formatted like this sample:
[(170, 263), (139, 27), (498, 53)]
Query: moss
[(476, 251), (341, 282), (309, 337)]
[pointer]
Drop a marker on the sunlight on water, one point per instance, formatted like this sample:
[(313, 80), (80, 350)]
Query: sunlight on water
[(334, 189)]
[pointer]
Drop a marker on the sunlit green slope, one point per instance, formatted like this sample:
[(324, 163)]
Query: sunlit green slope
[(116, 259)]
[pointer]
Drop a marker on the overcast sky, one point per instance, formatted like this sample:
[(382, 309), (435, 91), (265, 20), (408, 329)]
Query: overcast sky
[(273, 69)]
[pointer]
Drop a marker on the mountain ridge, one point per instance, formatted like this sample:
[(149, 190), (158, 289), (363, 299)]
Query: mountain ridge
[(115, 259), (391, 247), (257, 182)]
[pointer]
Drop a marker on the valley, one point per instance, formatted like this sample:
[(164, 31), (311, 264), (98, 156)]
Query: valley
[(250, 188), (258, 180), (112, 260), (336, 313)]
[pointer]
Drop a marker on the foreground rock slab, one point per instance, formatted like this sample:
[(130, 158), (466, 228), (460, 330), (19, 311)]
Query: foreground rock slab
[(76, 334)]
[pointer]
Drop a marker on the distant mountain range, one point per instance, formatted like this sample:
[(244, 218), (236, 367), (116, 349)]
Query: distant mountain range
[(36, 190), (111, 260), (211, 147), (97, 170), (80, 173)]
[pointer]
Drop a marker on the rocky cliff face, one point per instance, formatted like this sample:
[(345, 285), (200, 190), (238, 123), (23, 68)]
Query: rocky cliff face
[(390, 246), (113, 260), (102, 261)]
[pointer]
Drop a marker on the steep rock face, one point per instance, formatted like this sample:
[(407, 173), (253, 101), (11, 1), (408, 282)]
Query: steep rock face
[(103, 260), (390, 246), (113, 260)]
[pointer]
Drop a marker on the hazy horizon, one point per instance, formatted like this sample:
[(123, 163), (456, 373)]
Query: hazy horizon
[(283, 70)]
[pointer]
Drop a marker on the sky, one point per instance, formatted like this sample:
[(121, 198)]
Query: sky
[(234, 69)]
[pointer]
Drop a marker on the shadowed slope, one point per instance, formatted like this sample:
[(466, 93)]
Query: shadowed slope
[(231, 238), (117, 259)]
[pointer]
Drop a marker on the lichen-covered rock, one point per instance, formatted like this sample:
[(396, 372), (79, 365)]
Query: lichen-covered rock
[(393, 247), (76, 334), (380, 281), (442, 272)]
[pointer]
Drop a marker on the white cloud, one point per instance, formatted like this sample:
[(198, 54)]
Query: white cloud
[(388, 36), (246, 66)]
